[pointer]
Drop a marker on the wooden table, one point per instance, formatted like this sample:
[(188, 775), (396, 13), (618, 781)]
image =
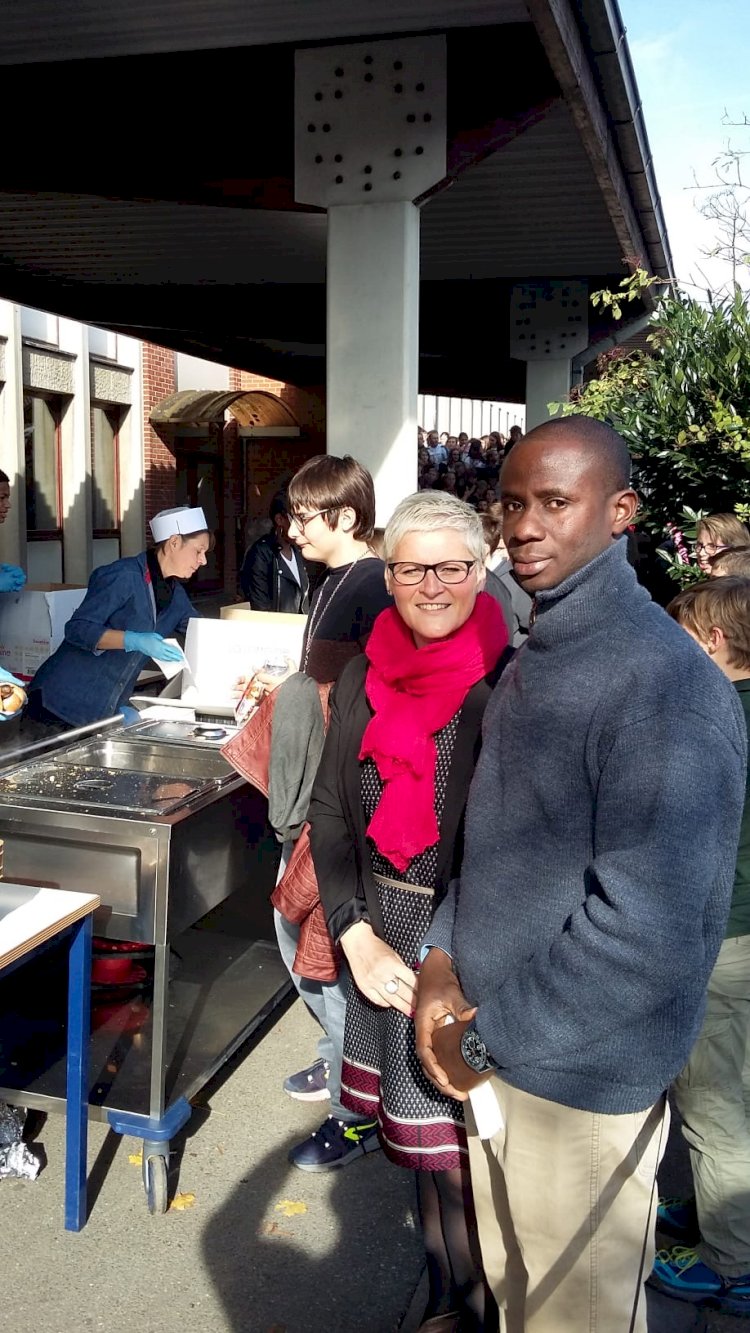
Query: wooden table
[(30, 917)]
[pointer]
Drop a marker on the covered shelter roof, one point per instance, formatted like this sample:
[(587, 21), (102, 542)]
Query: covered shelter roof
[(162, 202), (198, 407)]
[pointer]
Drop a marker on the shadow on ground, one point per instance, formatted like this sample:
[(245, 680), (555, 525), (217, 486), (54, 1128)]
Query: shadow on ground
[(286, 1258)]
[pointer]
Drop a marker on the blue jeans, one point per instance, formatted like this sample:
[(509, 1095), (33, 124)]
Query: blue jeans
[(326, 1001)]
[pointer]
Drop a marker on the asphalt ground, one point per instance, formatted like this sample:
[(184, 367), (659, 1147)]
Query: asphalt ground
[(251, 1244)]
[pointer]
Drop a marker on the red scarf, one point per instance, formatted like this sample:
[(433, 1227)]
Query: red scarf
[(415, 692)]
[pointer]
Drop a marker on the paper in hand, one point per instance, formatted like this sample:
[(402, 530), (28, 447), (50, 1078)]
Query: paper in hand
[(170, 669)]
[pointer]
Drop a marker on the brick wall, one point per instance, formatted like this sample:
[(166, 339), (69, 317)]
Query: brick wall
[(159, 467), (270, 461), (306, 405)]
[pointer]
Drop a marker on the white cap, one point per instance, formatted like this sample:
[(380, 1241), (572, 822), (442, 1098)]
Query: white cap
[(177, 522)]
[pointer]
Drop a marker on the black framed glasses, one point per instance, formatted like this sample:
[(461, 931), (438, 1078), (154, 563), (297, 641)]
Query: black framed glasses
[(301, 520), (710, 548), (409, 574)]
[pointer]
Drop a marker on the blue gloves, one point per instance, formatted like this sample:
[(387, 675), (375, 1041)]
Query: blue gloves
[(11, 578), (151, 644), (7, 679)]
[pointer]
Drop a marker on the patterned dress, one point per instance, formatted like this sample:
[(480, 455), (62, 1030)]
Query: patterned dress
[(381, 1074)]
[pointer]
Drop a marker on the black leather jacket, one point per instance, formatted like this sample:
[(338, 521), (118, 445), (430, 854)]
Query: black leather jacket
[(268, 583)]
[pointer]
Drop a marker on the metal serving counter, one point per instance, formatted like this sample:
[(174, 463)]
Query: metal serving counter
[(176, 845)]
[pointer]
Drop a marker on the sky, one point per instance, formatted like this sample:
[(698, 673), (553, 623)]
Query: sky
[(692, 64)]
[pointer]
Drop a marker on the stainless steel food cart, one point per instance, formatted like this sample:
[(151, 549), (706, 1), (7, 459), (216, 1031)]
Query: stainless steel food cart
[(176, 844)]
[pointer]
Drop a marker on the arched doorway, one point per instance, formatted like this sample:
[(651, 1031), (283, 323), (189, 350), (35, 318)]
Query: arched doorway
[(232, 451)]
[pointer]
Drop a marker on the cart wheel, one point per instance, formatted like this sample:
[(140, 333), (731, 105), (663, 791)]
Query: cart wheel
[(155, 1183)]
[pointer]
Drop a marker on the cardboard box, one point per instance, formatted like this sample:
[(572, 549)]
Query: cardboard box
[(273, 621), (32, 624), (220, 651)]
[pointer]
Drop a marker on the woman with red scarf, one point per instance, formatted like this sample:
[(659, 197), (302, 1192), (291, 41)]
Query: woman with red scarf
[(386, 830)]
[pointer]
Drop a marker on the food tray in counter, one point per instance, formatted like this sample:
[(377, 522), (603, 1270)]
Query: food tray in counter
[(177, 732), (83, 786)]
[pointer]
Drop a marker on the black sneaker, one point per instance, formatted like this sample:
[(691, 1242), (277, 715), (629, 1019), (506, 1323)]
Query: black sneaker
[(309, 1085), (334, 1144)]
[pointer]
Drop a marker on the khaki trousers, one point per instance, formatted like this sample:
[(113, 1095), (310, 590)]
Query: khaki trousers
[(713, 1097), (566, 1203)]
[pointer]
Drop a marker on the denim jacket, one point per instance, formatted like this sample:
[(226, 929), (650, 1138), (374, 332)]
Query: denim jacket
[(79, 684)]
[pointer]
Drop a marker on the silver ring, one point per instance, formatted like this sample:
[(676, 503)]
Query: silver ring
[(391, 986)]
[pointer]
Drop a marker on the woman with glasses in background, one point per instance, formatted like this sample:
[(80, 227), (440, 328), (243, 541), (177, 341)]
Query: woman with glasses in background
[(386, 822), (715, 533)]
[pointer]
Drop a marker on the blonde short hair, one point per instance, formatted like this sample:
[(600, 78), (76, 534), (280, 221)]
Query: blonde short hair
[(429, 511), (723, 530)]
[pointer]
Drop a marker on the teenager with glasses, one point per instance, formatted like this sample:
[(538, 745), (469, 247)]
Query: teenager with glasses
[(331, 505), (386, 820), (714, 533)]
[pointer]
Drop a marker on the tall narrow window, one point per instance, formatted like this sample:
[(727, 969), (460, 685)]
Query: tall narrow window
[(105, 470), (41, 428)]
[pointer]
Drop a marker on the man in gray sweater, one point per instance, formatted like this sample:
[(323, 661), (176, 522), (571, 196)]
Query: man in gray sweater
[(574, 952)]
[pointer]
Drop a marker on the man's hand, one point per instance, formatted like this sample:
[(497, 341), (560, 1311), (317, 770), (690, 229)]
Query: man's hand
[(375, 966), (439, 996), (446, 1047)]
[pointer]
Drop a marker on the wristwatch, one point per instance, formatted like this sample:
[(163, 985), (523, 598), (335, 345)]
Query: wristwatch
[(474, 1051)]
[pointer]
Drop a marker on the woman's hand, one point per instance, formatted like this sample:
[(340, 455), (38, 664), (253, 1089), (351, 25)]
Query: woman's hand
[(270, 680), (267, 681), (374, 965), (150, 644), (240, 685), (11, 578)]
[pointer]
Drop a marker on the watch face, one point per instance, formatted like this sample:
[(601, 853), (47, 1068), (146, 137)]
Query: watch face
[(474, 1051)]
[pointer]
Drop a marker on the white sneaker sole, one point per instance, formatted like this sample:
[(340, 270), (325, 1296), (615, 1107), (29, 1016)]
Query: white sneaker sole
[(320, 1095)]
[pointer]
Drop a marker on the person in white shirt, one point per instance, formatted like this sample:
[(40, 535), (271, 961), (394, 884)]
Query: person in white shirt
[(437, 451)]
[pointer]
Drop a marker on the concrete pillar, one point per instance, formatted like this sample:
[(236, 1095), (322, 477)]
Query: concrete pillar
[(548, 327), (372, 364), (370, 138), (546, 382)]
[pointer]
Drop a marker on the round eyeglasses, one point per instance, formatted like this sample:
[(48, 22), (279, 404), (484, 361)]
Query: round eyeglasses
[(409, 574), (301, 520)]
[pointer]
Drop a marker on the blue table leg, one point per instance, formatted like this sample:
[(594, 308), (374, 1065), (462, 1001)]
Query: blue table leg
[(77, 1109)]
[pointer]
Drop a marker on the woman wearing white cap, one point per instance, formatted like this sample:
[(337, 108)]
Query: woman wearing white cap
[(131, 607)]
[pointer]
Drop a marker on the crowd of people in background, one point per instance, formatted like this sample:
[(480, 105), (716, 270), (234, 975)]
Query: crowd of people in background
[(465, 466)]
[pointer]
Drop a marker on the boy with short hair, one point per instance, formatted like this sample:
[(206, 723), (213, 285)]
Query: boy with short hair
[(331, 504), (732, 560), (713, 1091)]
